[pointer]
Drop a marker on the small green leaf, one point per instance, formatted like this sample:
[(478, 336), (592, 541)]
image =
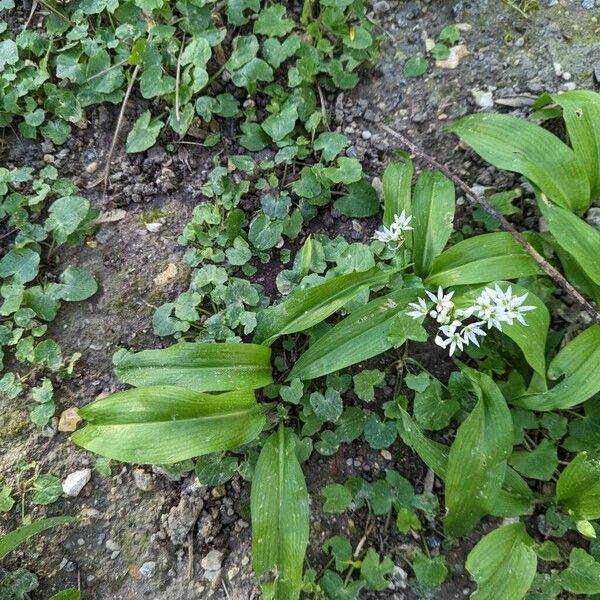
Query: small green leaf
[(77, 285), (264, 233), (348, 170), (430, 571), (374, 571), (273, 21), (540, 463), (361, 200), (415, 66), (46, 489), (12, 539), (578, 487), (582, 576), (281, 124), (213, 469), (327, 407), (379, 434), (144, 133), (365, 382), (503, 560), (337, 498)]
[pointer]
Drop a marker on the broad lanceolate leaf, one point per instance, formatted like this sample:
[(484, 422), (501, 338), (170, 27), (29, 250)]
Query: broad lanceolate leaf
[(531, 338), (578, 361), (481, 259), (517, 145), (305, 308), (280, 518), (433, 216), (503, 564), (477, 458), (361, 335), (575, 236), (578, 487), (581, 112), (12, 539), (166, 424), (513, 499), (200, 367), (397, 179)]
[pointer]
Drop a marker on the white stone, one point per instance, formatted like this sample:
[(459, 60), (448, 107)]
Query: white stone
[(212, 561), (74, 482), (148, 569), (483, 99)]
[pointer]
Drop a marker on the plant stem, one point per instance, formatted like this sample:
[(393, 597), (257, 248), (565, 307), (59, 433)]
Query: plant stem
[(482, 201)]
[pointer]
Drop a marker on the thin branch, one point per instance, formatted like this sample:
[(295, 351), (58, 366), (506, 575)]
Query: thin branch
[(113, 144), (481, 200), (178, 78)]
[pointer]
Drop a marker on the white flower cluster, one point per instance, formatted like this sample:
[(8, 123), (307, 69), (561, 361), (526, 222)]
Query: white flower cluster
[(395, 232), (492, 308)]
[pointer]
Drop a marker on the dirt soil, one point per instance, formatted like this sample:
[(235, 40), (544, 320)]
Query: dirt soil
[(143, 535)]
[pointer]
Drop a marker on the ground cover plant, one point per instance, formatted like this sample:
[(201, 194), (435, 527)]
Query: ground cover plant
[(486, 296), (254, 387)]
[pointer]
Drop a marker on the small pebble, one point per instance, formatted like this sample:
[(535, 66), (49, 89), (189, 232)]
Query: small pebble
[(143, 481), (588, 4), (366, 134), (91, 167), (566, 76), (148, 569), (74, 482), (212, 561), (69, 419), (381, 7)]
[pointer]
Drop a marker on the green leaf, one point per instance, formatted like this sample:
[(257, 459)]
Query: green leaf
[(200, 367), (264, 233), (415, 66), (339, 547), (348, 170), (65, 215), (144, 133), (531, 338), (360, 336), (307, 307), (575, 236), (581, 112), (433, 217), (12, 539), (273, 21), (280, 518), (480, 259), (361, 201), (578, 362), (379, 434), (46, 489), (477, 458), (337, 498), (213, 469), (397, 179), (517, 145), (503, 560), (331, 143), (20, 263), (539, 463), (375, 572), (432, 412), (6, 500), (431, 572), (582, 576), (9, 53), (578, 487), (327, 407), (365, 382), (77, 285), (279, 125), (166, 424)]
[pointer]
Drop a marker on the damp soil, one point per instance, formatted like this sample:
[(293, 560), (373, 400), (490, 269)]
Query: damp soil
[(176, 523)]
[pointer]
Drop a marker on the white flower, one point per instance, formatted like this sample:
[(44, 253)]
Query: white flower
[(453, 337), (420, 309), (395, 232), (495, 307), (443, 307), (470, 332)]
